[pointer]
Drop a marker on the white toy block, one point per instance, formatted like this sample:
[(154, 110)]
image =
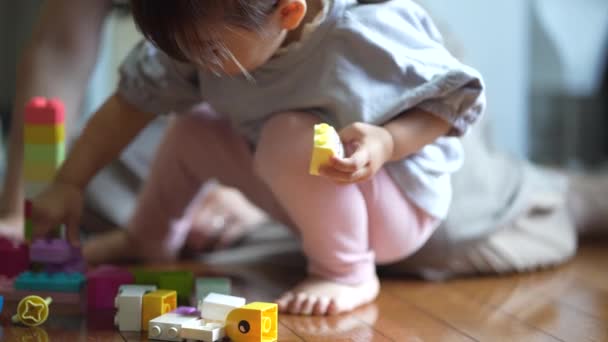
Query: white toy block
[(216, 307), (201, 330), (128, 303), (168, 327)]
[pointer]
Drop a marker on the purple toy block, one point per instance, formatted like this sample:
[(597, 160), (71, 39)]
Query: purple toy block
[(187, 311), (103, 284), (75, 265), (14, 258), (56, 251)]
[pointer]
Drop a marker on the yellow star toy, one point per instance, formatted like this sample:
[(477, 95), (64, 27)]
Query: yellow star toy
[(32, 311)]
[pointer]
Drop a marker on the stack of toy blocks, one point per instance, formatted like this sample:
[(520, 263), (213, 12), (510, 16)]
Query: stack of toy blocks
[(44, 148)]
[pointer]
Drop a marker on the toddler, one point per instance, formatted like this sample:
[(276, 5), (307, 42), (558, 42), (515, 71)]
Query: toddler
[(269, 71)]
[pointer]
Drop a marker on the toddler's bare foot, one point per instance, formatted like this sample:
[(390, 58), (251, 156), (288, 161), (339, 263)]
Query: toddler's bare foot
[(316, 296)]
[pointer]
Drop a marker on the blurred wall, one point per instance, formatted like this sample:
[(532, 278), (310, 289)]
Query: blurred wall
[(494, 36)]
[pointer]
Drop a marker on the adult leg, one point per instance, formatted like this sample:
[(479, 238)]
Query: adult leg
[(196, 148)]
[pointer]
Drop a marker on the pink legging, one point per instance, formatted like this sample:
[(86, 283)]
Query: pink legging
[(345, 229)]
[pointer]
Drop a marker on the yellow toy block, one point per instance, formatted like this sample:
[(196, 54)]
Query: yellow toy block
[(326, 145), (156, 304), (39, 172), (44, 134), (254, 322)]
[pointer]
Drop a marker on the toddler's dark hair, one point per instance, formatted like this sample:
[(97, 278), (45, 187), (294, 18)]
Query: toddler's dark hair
[(187, 29)]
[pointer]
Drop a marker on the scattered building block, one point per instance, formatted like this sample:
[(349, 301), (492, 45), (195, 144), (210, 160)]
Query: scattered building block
[(1, 303), (15, 258), (32, 311), (103, 284), (207, 285), (129, 302), (42, 281), (253, 322), (168, 327), (55, 251), (156, 304), (202, 330), (215, 307), (180, 281), (187, 311)]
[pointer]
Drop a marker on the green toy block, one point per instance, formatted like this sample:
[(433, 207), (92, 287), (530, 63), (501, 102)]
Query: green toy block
[(205, 286), (29, 230), (180, 281), (53, 154)]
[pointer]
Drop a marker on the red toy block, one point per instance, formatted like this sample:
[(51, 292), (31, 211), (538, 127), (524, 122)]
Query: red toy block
[(14, 258), (103, 284), (40, 111)]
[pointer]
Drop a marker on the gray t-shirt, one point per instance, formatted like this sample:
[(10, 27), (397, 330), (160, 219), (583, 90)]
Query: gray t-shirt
[(364, 62)]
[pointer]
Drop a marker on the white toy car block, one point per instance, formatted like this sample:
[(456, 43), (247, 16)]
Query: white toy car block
[(201, 330), (215, 307), (128, 302), (168, 327)]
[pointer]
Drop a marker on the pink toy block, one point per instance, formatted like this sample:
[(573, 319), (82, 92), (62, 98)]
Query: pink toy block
[(41, 111), (103, 284), (15, 258)]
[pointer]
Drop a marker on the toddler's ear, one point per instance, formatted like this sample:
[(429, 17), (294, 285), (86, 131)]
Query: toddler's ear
[(292, 13)]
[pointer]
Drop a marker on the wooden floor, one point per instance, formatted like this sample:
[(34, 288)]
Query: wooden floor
[(566, 304)]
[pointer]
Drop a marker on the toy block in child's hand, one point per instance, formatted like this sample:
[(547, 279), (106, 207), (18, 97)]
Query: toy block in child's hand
[(326, 144)]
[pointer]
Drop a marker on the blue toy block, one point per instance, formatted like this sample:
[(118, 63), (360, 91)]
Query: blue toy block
[(1, 303), (59, 282)]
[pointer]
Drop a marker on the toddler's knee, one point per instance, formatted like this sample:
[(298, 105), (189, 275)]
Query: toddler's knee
[(285, 144)]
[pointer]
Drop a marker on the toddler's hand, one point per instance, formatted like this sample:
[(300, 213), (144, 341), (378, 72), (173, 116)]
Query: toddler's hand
[(367, 148), (60, 203)]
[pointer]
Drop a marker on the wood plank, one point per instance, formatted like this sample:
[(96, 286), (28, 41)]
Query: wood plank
[(481, 322), (332, 328), (401, 321), (536, 301)]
